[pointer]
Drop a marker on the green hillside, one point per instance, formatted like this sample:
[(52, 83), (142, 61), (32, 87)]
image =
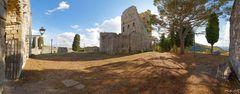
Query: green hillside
[(205, 48)]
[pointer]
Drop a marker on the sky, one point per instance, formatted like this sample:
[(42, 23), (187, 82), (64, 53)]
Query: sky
[(62, 19)]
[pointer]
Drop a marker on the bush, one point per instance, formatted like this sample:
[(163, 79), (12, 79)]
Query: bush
[(40, 42)]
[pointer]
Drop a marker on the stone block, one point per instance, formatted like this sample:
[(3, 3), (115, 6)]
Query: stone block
[(217, 53), (80, 86), (69, 83)]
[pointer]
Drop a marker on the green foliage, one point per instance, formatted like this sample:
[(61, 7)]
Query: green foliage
[(164, 44), (76, 43), (175, 40), (212, 29), (40, 42), (182, 13), (33, 43), (188, 40)]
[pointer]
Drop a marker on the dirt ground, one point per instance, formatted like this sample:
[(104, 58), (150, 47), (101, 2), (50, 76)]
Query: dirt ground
[(145, 73)]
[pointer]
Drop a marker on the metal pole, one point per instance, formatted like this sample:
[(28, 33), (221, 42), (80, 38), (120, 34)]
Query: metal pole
[(194, 47), (51, 45)]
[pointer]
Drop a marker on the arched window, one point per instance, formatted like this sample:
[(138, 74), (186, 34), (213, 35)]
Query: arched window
[(128, 26), (133, 24), (123, 29)]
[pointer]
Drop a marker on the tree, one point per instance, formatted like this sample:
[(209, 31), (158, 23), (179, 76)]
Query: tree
[(184, 14), (212, 30), (234, 51), (174, 37), (76, 43), (164, 44)]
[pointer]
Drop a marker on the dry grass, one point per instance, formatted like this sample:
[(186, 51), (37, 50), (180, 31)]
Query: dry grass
[(146, 73)]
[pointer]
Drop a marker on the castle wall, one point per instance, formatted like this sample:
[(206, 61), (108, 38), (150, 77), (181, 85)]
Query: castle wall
[(134, 35), (3, 12), (18, 32)]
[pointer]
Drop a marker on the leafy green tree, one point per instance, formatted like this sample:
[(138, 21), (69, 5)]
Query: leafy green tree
[(164, 44), (76, 43), (212, 30), (175, 41), (188, 40), (187, 14)]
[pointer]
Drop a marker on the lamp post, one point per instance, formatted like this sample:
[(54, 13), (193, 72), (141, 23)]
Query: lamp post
[(51, 45), (42, 31)]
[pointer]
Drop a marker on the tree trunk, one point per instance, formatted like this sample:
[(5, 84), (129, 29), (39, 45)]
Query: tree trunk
[(212, 49), (182, 44), (234, 48)]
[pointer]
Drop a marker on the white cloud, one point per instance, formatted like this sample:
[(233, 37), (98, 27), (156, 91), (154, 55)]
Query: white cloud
[(224, 38), (35, 32), (65, 39), (62, 6), (111, 25), (91, 36), (76, 27)]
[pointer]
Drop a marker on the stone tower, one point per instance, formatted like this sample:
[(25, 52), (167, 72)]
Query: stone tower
[(134, 26), (134, 36)]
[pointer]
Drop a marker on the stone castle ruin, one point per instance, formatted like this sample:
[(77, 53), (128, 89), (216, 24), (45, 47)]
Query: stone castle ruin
[(3, 12), (135, 36), (17, 35), (15, 32)]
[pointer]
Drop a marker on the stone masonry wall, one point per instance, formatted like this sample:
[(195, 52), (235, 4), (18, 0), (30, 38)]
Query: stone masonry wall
[(133, 38), (18, 29), (3, 10)]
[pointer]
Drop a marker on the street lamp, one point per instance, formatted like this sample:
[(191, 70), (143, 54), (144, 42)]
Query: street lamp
[(51, 45), (42, 31)]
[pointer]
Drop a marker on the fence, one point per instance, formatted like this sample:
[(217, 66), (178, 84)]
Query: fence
[(13, 59)]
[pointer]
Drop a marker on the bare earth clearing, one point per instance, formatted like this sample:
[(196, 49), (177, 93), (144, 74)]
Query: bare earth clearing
[(146, 73)]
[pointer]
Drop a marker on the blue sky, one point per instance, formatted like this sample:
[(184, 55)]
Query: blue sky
[(64, 18)]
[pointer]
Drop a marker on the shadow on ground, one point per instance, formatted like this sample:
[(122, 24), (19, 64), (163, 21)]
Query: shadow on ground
[(75, 56), (158, 75)]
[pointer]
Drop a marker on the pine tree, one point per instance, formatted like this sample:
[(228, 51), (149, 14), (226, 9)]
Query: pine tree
[(76, 43)]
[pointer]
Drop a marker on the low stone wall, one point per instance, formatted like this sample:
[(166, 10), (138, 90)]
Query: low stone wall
[(47, 50), (91, 49)]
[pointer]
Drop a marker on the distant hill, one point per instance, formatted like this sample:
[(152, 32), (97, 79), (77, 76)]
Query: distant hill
[(225, 48), (205, 48)]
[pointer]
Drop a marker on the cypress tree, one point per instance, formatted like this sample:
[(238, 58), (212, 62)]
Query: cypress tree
[(76, 43)]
